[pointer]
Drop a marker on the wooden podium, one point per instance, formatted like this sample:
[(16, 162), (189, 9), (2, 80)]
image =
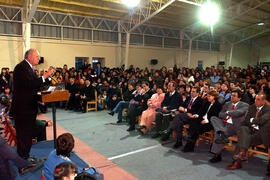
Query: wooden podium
[(53, 97)]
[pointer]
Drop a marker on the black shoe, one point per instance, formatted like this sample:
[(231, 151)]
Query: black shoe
[(32, 165), (216, 158), (222, 138), (32, 159), (189, 147), (111, 113), (139, 129), (165, 135), (131, 128), (177, 144), (155, 135), (119, 121)]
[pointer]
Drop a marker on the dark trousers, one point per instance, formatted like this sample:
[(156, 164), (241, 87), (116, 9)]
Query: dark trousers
[(39, 132), (134, 110), (162, 120), (77, 103), (178, 124), (196, 128), (24, 125), (71, 102), (6, 154), (248, 136)]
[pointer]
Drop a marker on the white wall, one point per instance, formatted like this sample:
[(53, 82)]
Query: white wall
[(242, 55), (58, 53), (265, 54)]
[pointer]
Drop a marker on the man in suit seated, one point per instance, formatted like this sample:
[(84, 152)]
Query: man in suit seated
[(73, 89), (136, 109), (127, 96), (201, 122), (87, 94), (191, 106), (172, 101), (228, 123), (255, 130)]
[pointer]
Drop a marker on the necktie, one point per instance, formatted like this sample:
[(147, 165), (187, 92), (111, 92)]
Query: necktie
[(170, 94), (233, 106), (33, 69), (257, 112), (190, 103)]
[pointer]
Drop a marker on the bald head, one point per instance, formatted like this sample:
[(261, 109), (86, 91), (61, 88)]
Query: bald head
[(32, 56)]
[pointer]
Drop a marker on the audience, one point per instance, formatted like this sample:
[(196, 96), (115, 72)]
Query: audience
[(207, 99)]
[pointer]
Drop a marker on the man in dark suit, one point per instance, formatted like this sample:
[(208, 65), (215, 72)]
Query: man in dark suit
[(228, 123), (191, 106), (24, 106), (255, 130), (135, 110), (201, 122), (73, 89), (88, 94), (172, 101)]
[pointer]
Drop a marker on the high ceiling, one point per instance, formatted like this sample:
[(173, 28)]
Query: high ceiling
[(239, 17)]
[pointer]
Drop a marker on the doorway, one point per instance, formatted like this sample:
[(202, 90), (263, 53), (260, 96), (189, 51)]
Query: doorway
[(79, 62), (96, 60)]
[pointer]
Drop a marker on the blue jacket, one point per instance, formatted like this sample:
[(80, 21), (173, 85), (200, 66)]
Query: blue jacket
[(53, 160)]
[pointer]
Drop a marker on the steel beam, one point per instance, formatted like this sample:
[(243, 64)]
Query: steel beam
[(127, 49), (231, 54), (252, 36), (32, 11), (148, 16)]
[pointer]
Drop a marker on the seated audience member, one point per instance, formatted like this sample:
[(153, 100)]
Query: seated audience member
[(214, 78), (101, 101), (65, 171), (7, 94), (231, 114), (191, 106), (201, 121), (136, 109), (172, 101), (72, 87), (87, 94), (8, 154), (148, 116), (255, 130), (252, 94), (127, 96), (64, 145), (113, 97), (225, 92), (77, 106)]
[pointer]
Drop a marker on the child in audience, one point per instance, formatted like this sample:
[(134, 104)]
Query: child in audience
[(64, 145), (65, 171)]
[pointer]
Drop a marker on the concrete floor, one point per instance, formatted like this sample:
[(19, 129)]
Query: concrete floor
[(147, 158)]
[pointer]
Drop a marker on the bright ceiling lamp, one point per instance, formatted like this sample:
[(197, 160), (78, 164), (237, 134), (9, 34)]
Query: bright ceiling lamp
[(209, 13), (131, 3)]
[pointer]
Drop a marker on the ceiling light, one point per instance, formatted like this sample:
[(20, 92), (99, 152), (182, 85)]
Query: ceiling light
[(260, 24), (209, 13), (131, 3)]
